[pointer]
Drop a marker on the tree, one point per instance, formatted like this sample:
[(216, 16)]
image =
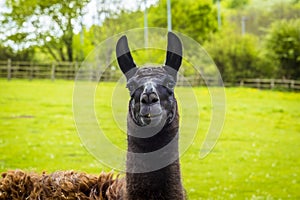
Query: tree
[(197, 19), (258, 17), (237, 3), (7, 52), (48, 23), (239, 57), (116, 20), (283, 42)]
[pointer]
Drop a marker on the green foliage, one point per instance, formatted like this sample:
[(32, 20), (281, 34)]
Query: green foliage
[(261, 14), (238, 56), (283, 42), (49, 27), (48, 23), (84, 43), (237, 3), (119, 23), (256, 157), (196, 19), (21, 55)]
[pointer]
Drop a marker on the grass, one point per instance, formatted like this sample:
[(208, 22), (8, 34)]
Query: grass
[(256, 157)]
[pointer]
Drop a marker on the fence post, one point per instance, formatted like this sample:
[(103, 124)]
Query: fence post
[(272, 83), (292, 84), (242, 83), (31, 71), (75, 69), (8, 69), (53, 71), (258, 83)]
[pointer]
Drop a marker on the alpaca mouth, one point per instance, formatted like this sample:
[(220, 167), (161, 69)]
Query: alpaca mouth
[(151, 119), (150, 115)]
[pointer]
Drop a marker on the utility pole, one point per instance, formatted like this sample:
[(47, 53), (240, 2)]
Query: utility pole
[(81, 35), (243, 23), (219, 14), (169, 15), (145, 24)]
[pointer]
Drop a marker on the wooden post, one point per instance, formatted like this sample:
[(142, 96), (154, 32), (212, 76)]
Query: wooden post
[(8, 69), (53, 71), (272, 84), (258, 83), (31, 71), (75, 70), (292, 84), (242, 83)]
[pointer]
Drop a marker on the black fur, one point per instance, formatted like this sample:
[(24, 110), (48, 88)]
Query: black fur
[(174, 52), (152, 126), (124, 57), (164, 183)]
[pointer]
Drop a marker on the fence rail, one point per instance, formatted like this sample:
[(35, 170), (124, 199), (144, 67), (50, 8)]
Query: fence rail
[(271, 83), (67, 70), (31, 70)]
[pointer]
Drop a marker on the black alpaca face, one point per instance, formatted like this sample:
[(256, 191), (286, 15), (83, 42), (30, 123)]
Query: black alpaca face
[(151, 89), (152, 96)]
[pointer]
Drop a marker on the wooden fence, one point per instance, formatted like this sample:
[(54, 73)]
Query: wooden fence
[(67, 70), (271, 84), (48, 70)]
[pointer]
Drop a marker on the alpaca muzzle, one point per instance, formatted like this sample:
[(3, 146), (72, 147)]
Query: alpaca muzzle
[(149, 95), (150, 110)]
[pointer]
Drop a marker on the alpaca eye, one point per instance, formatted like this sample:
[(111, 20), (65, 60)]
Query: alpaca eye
[(170, 84)]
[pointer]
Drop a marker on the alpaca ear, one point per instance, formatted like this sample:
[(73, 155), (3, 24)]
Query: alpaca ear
[(174, 52), (124, 58)]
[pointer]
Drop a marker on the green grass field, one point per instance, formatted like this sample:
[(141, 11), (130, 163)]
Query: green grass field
[(256, 157)]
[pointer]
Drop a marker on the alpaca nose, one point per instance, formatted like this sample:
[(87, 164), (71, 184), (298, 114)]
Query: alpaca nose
[(149, 98), (149, 95)]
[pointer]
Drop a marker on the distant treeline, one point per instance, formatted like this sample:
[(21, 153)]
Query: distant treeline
[(252, 41)]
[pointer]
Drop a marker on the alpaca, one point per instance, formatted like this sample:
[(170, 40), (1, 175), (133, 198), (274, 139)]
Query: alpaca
[(152, 125), (152, 166), (59, 185)]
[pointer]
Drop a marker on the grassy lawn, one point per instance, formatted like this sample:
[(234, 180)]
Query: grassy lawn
[(256, 157)]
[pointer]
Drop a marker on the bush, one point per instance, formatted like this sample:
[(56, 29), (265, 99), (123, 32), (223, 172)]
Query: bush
[(239, 57), (283, 43)]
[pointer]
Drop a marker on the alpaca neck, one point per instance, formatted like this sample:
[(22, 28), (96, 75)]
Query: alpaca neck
[(152, 180)]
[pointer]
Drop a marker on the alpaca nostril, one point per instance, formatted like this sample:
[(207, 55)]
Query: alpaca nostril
[(153, 98), (144, 99), (149, 98)]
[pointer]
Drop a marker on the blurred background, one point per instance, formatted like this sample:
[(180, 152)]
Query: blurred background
[(246, 38)]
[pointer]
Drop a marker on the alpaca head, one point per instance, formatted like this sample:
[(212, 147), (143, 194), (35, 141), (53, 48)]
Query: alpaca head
[(152, 102)]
